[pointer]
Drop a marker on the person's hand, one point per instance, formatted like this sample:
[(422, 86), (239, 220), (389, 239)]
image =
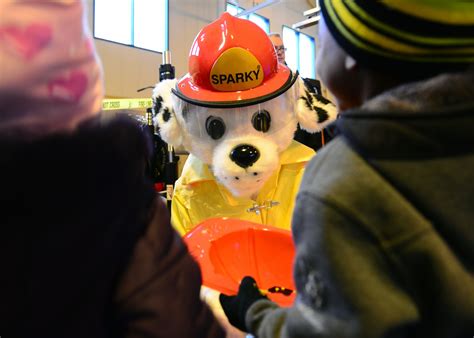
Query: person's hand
[(236, 307)]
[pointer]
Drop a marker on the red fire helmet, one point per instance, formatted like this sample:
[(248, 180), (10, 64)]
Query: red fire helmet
[(232, 63)]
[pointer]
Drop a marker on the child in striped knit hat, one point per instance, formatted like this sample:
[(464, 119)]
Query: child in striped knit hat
[(383, 223)]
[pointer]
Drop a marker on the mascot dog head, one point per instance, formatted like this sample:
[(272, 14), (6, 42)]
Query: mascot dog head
[(237, 109)]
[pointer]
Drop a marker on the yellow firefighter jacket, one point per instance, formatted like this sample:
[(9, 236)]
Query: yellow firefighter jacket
[(199, 196)]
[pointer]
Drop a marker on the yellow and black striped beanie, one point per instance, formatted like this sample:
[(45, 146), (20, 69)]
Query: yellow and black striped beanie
[(404, 32)]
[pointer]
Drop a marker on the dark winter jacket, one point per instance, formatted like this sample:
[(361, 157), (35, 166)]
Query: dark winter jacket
[(86, 247), (384, 222)]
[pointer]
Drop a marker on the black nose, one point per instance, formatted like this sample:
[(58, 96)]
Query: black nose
[(244, 155)]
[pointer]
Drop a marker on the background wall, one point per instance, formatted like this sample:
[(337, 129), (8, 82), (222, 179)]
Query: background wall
[(128, 69)]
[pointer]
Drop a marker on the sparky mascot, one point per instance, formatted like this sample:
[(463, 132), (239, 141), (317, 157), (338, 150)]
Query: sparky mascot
[(236, 112)]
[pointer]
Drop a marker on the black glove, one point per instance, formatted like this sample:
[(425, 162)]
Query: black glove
[(235, 307)]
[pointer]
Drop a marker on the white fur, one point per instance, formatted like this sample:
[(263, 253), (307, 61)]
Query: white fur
[(239, 131), (308, 116), (245, 182), (188, 127), (170, 131)]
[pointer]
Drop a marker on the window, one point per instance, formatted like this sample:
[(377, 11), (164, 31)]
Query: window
[(300, 52), (290, 40), (137, 23), (233, 9), (259, 20)]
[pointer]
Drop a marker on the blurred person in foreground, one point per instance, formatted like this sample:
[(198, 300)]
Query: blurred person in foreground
[(383, 223), (86, 247), (280, 48)]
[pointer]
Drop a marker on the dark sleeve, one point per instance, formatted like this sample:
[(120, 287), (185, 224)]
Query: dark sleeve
[(158, 295), (344, 283)]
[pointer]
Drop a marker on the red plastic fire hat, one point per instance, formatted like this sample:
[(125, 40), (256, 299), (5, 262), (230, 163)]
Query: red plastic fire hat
[(227, 250), (232, 63)]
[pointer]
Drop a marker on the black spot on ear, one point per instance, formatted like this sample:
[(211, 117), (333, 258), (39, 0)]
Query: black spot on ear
[(307, 102), (310, 101), (322, 114), (306, 99), (166, 115), (157, 104), (309, 97), (322, 99)]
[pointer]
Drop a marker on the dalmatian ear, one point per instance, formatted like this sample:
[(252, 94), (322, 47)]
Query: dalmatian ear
[(164, 117), (313, 111)]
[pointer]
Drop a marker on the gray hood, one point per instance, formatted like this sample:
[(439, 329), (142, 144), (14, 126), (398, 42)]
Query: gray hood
[(420, 137)]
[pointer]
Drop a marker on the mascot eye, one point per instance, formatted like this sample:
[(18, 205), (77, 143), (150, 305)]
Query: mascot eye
[(215, 127), (261, 120)]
